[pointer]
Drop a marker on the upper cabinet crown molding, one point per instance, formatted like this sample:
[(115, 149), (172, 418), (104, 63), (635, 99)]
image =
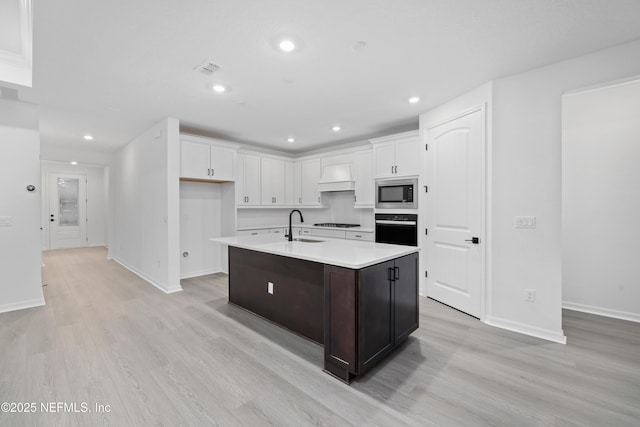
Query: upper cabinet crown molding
[(16, 64), (211, 141)]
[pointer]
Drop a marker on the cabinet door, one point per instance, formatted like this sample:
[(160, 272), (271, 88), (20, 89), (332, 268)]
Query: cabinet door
[(194, 160), (239, 184), (310, 177), (297, 183), (289, 184), (405, 296), (375, 314), (384, 155), (266, 182), (279, 182), (407, 157), (364, 187), (252, 180), (222, 163)]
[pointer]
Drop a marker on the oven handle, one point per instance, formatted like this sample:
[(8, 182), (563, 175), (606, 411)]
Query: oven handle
[(389, 222)]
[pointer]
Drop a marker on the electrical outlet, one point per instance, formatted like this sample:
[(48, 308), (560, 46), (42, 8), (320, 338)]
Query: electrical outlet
[(270, 288), (530, 295)]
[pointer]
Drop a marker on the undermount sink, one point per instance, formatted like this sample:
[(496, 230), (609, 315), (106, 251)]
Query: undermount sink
[(301, 239)]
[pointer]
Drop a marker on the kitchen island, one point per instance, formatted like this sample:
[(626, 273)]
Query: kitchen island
[(358, 299)]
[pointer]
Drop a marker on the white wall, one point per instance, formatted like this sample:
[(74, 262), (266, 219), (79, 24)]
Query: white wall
[(145, 206), (526, 180), (87, 157), (97, 200), (20, 251), (601, 201)]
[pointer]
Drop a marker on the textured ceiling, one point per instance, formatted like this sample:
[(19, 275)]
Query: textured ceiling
[(113, 68)]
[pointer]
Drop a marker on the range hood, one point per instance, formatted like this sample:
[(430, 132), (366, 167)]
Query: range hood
[(336, 178)]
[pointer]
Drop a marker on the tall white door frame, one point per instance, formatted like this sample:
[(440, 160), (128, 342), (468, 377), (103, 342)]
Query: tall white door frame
[(479, 251)]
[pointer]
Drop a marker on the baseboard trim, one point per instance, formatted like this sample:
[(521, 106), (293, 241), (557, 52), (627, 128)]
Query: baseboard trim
[(38, 302), (200, 273), (510, 325), (606, 312), (147, 279)]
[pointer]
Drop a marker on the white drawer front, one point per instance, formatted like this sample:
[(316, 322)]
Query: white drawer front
[(359, 235)]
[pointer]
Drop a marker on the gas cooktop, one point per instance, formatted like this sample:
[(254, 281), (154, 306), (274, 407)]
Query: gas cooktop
[(336, 224)]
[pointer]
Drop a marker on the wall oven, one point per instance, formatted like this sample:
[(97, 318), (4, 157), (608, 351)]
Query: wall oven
[(396, 194), (397, 229)]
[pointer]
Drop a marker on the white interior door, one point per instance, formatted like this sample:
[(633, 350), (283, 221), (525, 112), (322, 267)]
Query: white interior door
[(455, 213), (67, 210)]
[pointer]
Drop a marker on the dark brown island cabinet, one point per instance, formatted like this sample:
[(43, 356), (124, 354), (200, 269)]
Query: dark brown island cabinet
[(359, 316)]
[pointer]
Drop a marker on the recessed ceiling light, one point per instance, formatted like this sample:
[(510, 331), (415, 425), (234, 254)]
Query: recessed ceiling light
[(219, 88), (287, 45), (336, 128), (290, 140), (414, 99), (88, 137), (74, 163)]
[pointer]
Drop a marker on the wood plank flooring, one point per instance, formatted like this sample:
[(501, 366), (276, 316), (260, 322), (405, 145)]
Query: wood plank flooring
[(107, 337)]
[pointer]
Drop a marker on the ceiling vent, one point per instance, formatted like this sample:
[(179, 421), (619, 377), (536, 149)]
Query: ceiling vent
[(207, 67)]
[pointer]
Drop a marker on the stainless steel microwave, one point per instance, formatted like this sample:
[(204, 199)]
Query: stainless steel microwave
[(396, 194)]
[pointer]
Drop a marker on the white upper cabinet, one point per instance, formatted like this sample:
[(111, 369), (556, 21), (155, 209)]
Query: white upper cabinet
[(289, 183), (248, 185), (396, 155), (273, 181), (364, 186), (222, 163), (310, 171), (205, 159)]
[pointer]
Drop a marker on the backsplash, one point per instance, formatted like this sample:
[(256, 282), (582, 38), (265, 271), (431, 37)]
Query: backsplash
[(338, 208)]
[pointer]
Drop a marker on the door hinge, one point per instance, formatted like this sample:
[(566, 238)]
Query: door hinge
[(426, 231)]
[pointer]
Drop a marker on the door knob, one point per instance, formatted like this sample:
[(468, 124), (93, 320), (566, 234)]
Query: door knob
[(474, 240)]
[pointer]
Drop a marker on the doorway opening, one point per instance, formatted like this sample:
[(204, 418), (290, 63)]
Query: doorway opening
[(601, 201)]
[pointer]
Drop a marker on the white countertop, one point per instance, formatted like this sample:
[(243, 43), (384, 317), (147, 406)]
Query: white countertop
[(354, 254), (304, 225)]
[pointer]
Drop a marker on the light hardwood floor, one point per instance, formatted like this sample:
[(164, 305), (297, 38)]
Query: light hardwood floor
[(107, 337)]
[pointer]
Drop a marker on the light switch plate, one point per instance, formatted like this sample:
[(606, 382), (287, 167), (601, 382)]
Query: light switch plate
[(6, 221), (525, 222)]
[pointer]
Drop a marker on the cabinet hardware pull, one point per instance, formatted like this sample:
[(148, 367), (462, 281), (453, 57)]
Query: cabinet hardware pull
[(391, 169), (396, 271)]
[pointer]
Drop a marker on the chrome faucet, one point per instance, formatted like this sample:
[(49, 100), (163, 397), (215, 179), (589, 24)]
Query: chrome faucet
[(301, 220)]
